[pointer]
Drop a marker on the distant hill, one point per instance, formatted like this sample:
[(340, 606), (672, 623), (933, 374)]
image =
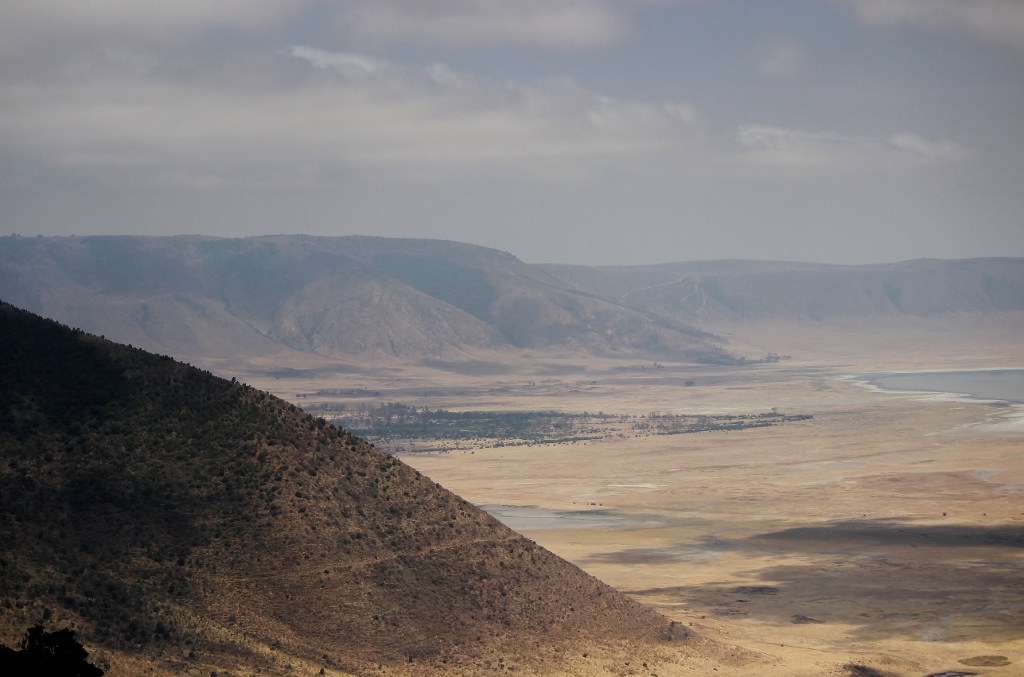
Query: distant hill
[(715, 291), (182, 522), (287, 296), (195, 296)]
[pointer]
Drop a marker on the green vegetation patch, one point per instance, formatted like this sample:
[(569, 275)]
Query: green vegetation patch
[(410, 428)]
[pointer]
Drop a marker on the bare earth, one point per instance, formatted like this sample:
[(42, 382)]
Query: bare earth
[(887, 532)]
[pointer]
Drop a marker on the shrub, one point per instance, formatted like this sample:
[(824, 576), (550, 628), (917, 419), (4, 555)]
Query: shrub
[(47, 653)]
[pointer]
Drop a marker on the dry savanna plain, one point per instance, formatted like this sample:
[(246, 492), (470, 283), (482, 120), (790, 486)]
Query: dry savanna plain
[(882, 536)]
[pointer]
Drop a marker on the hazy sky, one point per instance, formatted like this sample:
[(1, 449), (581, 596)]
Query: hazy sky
[(577, 131)]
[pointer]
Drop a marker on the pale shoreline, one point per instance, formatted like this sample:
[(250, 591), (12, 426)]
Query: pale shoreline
[(874, 379)]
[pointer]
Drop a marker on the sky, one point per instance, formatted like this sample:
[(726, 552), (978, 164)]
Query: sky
[(597, 132)]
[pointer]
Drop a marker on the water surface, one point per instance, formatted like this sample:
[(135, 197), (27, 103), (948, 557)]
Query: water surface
[(990, 384)]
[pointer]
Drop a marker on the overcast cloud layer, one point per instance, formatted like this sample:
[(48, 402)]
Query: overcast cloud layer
[(581, 131)]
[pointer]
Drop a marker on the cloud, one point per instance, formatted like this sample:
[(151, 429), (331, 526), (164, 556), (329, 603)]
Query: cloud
[(337, 112), (308, 115), (558, 24), (784, 59), (455, 24), (998, 22), (774, 147), (929, 151), (347, 64), (143, 21)]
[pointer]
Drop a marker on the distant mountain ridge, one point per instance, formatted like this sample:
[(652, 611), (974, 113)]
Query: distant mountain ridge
[(192, 295), (195, 296), (714, 291)]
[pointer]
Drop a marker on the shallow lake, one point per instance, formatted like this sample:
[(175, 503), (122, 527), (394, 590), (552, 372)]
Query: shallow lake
[(991, 384)]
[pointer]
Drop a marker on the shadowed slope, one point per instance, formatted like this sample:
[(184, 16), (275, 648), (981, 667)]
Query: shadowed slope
[(169, 513)]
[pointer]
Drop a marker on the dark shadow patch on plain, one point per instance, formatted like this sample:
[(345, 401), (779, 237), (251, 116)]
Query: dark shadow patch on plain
[(681, 553), (553, 369), (886, 533), (346, 392), (530, 518), (985, 661), (289, 372), (858, 670), (877, 596), (467, 368), (632, 556), (755, 590)]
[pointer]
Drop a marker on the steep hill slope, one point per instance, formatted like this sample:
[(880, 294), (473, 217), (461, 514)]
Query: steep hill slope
[(181, 522), (206, 297)]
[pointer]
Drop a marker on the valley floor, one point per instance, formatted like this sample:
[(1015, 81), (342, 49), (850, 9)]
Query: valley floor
[(886, 532)]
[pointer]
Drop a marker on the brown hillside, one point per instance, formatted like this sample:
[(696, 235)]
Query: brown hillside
[(184, 523)]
